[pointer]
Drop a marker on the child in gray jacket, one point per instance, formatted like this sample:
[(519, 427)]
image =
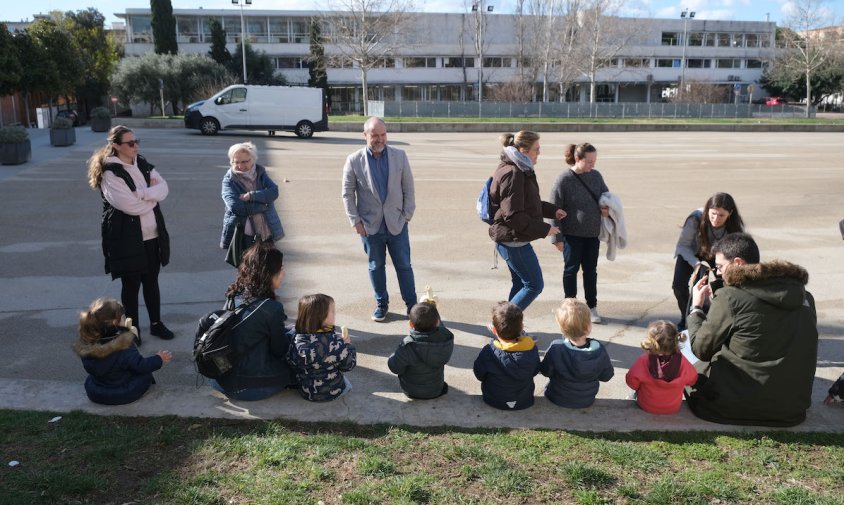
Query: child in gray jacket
[(421, 357)]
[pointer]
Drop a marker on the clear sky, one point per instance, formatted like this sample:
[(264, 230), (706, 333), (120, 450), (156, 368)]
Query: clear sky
[(743, 10)]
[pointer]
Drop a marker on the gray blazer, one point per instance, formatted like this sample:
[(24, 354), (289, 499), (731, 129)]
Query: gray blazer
[(361, 199)]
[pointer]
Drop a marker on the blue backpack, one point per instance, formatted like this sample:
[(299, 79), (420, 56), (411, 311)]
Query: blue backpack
[(486, 210)]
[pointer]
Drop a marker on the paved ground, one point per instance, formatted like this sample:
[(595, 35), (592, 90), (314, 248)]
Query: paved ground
[(788, 187)]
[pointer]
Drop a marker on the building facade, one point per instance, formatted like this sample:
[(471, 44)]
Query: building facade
[(439, 61)]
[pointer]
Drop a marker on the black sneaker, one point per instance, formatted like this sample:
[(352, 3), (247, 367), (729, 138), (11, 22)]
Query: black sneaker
[(159, 330)]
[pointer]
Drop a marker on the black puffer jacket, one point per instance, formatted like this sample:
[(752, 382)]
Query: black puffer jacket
[(420, 361)]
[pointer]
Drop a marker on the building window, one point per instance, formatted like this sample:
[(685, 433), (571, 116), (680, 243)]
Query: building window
[(496, 62), (340, 63), (696, 39), (698, 63), (386, 63), (637, 62), (668, 63), (724, 40), (753, 63), (141, 29), (256, 30), (187, 29), (458, 62), (420, 62), (751, 40), (232, 27), (728, 63), (289, 62), (605, 93), (764, 40), (411, 93), (670, 39), (299, 31), (279, 30)]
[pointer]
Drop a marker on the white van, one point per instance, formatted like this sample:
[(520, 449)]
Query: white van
[(246, 107)]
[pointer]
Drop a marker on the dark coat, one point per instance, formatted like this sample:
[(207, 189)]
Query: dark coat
[(575, 372), (518, 207), (122, 240), (117, 373), (506, 374), (320, 360), (261, 342), (761, 341), (420, 362)]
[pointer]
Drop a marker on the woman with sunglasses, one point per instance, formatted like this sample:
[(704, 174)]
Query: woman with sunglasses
[(135, 241), (703, 227)]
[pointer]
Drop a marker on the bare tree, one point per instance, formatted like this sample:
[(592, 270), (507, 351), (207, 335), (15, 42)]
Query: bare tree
[(368, 32), (806, 48), (602, 36)]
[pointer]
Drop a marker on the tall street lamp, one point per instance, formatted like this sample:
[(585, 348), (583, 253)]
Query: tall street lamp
[(242, 33), (478, 6), (686, 15)]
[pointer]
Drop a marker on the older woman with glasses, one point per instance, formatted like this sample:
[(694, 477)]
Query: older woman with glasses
[(703, 227), (249, 193), (135, 241)]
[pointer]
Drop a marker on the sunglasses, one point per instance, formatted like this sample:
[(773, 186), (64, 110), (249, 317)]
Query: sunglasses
[(131, 143)]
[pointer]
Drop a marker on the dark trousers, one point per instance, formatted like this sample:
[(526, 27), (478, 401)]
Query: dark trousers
[(682, 292), (149, 280), (581, 252)]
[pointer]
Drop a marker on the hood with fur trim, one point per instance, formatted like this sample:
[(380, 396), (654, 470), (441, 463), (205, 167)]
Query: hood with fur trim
[(777, 282), (105, 347)]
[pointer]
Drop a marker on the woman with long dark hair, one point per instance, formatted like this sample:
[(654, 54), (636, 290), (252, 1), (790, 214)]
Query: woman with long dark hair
[(135, 241), (261, 340), (703, 227)]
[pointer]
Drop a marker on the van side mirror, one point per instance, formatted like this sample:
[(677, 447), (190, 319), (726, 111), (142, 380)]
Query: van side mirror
[(220, 100)]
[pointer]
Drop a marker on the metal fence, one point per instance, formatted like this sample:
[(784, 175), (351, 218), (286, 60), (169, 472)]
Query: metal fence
[(573, 110)]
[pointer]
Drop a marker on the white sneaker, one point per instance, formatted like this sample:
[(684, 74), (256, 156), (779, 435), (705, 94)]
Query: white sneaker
[(595, 317)]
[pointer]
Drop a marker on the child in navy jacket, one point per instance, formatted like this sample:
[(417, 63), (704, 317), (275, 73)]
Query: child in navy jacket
[(117, 373), (575, 363), (507, 365)]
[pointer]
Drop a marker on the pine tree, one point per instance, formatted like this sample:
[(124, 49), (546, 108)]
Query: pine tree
[(163, 27), (219, 52), (318, 75)]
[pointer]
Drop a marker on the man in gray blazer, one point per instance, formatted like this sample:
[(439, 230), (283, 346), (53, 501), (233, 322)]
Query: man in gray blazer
[(379, 199)]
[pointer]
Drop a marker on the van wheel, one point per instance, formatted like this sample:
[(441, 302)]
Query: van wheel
[(209, 126), (304, 129)]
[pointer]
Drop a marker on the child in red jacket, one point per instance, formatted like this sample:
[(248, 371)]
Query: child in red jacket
[(660, 375)]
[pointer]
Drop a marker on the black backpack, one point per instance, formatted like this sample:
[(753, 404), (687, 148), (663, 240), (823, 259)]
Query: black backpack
[(213, 347)]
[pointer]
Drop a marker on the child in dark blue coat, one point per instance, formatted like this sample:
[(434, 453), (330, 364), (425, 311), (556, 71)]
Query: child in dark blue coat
[(507, 365), (575, 363), (117, 373)]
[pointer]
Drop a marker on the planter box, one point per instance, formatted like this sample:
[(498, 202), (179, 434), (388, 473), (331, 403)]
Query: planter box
[(100, 124), (60, 137), (15, 154)]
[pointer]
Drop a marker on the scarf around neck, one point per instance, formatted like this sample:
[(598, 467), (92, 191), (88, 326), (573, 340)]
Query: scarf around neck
[(521, 161)]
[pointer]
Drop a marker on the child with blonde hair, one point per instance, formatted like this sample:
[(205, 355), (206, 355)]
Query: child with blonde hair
[(506, 367), (575, 363), (660, 375), (318, 354), (117, 373)]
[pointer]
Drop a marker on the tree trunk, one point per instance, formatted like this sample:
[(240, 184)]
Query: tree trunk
[(808, 93), (365, 94)]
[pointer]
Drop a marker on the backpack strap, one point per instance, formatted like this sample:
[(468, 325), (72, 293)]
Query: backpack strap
[(594, 196)]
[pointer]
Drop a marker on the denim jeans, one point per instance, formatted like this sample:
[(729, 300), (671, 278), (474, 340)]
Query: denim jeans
[(581, 252), (376, 247), (248, 394), (524, 272)]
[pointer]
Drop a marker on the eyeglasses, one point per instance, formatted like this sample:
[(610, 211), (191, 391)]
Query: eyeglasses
[(131, 143), (719, 269)]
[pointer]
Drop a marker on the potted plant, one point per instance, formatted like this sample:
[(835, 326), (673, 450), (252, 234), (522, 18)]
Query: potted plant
[(15, 147), (62, 132), (100, 119)]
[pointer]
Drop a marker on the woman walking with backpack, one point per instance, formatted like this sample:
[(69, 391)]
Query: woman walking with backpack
[(519, 213)]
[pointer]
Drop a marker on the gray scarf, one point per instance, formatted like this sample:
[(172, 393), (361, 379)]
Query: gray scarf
[(521, 161)]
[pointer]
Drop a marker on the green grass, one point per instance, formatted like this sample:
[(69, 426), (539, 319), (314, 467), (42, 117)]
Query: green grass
[(90, 459)]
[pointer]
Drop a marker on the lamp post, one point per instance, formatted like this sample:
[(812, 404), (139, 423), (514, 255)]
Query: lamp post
[(478, 6), (686, 15), (242, 33)]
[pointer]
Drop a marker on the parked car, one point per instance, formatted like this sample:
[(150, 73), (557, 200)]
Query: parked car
[(774, 100), (69, 114)]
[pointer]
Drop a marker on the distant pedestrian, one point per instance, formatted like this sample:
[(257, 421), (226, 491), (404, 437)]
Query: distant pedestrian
[(117, 373), (575, 363), (506, 367), (135, 241), (379, 198), (660, 375)]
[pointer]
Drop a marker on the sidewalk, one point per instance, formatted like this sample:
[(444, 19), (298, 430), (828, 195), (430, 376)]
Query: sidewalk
[(52, 264)]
